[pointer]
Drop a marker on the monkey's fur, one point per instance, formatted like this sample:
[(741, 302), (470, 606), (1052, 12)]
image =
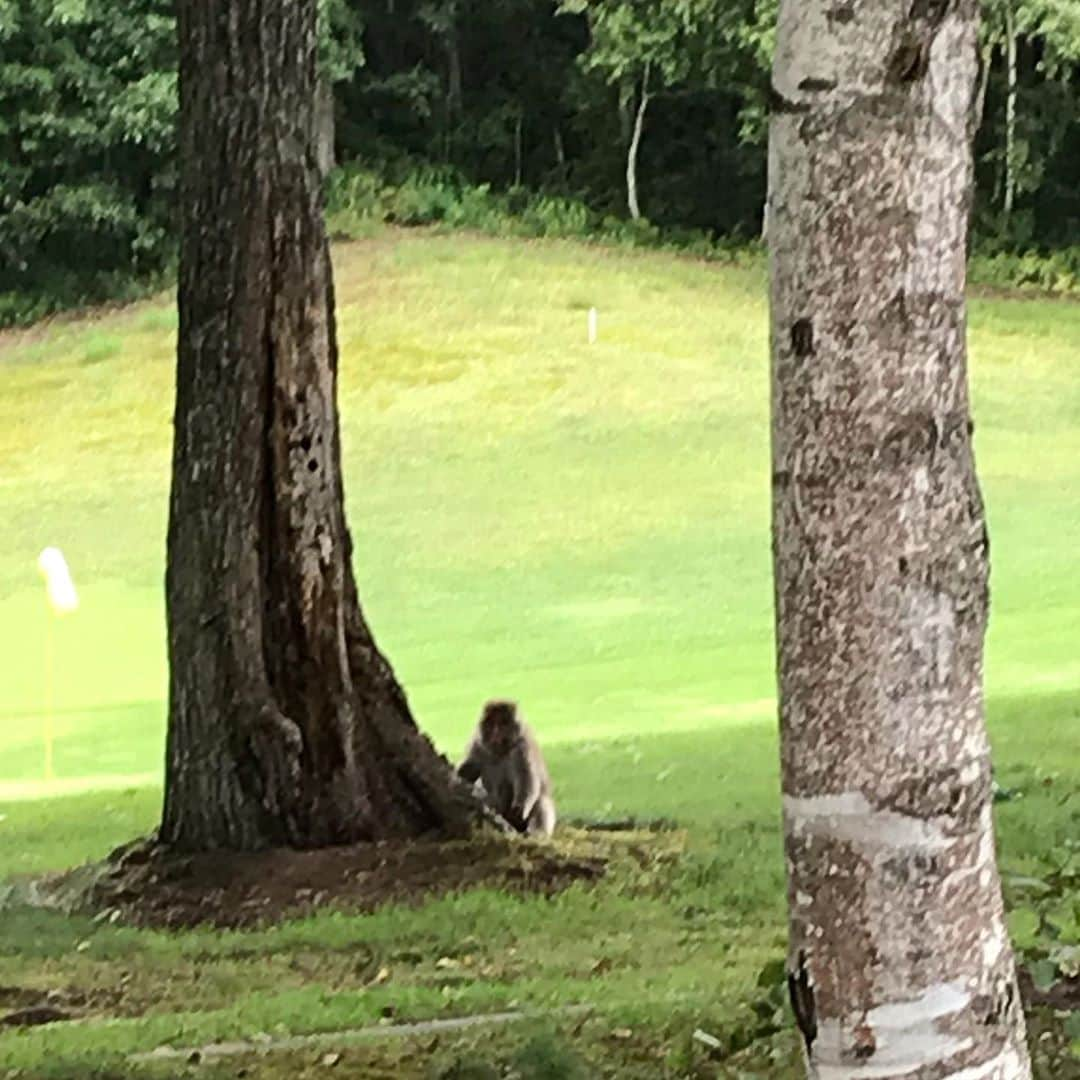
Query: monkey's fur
[(504, 756)]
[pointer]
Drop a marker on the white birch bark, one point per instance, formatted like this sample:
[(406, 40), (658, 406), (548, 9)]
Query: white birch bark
[(1010, 111), (635, 145), (325, 127), (985, 67), (900, 967)]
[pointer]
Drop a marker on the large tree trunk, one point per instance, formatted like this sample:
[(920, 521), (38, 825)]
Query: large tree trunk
[(286, 725), (899, 965)]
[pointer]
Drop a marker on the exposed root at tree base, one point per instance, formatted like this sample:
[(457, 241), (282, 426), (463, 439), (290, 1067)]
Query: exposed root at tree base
[(146, 885)]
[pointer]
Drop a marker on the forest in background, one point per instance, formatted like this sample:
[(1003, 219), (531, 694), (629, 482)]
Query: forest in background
[(644, 120)]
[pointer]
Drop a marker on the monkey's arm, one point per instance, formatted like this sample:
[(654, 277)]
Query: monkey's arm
[(527, 783), (470, 769)]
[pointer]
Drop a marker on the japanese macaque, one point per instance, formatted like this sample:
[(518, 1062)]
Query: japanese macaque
[(504, 756)]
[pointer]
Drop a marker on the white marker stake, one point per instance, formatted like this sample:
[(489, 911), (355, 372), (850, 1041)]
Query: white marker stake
[(62, 598), (592, 325)]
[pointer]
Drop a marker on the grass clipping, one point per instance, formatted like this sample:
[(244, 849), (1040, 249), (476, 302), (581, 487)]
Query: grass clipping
[(145, 884)]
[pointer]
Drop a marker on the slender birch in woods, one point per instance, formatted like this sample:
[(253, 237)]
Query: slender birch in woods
[(286, 724), (899, 965)]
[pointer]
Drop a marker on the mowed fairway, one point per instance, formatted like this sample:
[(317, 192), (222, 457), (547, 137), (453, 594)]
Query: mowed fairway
[(583, 527)]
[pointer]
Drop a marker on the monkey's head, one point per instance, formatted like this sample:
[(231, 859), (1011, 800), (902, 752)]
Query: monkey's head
[(499, 726)]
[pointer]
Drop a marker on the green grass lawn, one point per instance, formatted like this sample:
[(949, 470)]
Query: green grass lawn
[(582, 527)]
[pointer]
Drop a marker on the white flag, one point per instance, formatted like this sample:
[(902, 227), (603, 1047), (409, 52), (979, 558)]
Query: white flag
[(58, 583)]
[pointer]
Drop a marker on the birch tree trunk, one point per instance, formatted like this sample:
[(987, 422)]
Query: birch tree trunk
[(519, 124), (986, 63), (454, 78), (635, 146), (1010, 111), (286, 724), (325, 127), (899, 964)]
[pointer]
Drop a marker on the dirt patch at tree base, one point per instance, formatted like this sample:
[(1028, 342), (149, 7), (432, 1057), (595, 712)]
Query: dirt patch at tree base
[(153, 887), (147, 885), (1064, 995)]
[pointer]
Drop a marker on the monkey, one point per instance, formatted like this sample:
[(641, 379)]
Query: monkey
[(505, 757)]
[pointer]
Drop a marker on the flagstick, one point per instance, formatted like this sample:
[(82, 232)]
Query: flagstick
[(62, 599), (50, 650)]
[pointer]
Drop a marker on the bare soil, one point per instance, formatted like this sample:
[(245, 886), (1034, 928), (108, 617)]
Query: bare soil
[(147, 885), (1064, 995)]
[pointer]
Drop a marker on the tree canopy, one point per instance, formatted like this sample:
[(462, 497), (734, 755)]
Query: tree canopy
[(512, 94)]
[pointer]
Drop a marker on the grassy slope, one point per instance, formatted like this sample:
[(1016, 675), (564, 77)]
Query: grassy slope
[(584, 527)]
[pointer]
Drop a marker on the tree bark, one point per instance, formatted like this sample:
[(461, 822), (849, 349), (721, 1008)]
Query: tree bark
[(899, 964), (560, 157), (325, 127), (1010, 111), (986, 63), (453, 98), (286, 724), (454, 76), (519, 123), (626, 100), (635, 146)]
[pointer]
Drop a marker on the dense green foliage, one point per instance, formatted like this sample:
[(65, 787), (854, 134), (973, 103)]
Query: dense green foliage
[(87, 101), (518, 95), (1038, 153)]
